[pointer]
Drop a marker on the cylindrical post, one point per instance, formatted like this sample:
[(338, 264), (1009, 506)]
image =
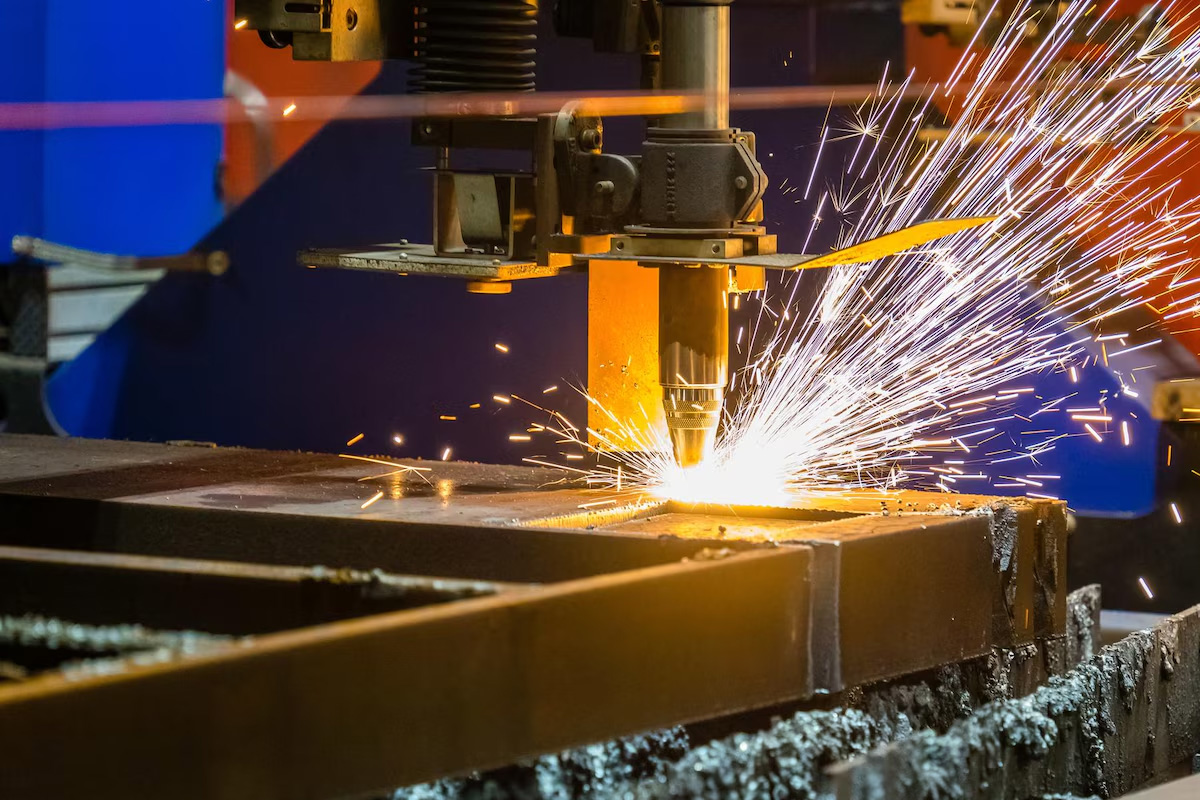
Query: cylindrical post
[(695, 58), (693, 302)]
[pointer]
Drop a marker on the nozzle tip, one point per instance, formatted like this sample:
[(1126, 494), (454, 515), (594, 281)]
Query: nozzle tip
[(691, 446), (692, 417)]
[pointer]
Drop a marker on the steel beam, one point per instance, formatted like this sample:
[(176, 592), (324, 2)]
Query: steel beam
[(210, 596), (359, 706)]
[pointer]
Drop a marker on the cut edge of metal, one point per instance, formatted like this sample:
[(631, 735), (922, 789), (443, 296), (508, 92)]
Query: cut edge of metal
[(586, 518), (590, 518)]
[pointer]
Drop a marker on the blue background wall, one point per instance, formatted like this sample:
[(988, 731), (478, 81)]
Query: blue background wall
[(139, 190)]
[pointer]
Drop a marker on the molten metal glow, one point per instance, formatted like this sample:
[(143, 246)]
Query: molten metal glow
[(895, 372)]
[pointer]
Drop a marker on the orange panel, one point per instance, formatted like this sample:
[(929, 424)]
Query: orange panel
[(277, 76), (623, 350), (933, 59)]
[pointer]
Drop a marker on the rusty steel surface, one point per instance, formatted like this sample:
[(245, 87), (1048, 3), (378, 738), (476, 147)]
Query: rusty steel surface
[(901, 573), (602, 623), (395, 698), (785, 751)]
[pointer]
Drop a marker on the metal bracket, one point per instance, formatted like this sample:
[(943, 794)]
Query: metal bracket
[(420, 259), (214, 263), (889, 244)]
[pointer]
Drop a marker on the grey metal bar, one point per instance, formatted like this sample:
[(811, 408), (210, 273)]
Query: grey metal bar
[(695, 57)]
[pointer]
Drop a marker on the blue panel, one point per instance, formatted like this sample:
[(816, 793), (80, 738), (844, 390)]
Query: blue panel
[(22, 41), (148, 190)]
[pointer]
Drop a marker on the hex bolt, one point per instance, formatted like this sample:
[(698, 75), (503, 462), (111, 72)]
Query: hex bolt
[(741, 182), (217, 262), (591, 139)]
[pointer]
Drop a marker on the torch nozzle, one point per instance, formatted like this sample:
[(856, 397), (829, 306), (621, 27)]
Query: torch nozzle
[(693, 356), (692, 418)]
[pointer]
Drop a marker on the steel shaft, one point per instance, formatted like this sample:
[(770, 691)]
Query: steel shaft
[(693, 301), (695, 58)]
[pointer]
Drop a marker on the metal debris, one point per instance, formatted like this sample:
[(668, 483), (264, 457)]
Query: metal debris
[(77, 647), (1119, 720), (57, 634)]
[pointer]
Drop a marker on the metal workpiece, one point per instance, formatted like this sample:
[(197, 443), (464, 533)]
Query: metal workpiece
[(901, 573), (748, 756), (693, 345), (569, 625), (355, 707)]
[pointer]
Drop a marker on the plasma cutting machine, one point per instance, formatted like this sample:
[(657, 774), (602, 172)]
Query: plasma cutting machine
[(689, 205)]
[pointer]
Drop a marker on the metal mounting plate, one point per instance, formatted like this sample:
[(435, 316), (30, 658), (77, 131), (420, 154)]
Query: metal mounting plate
[(863, 253), (420, 259)]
